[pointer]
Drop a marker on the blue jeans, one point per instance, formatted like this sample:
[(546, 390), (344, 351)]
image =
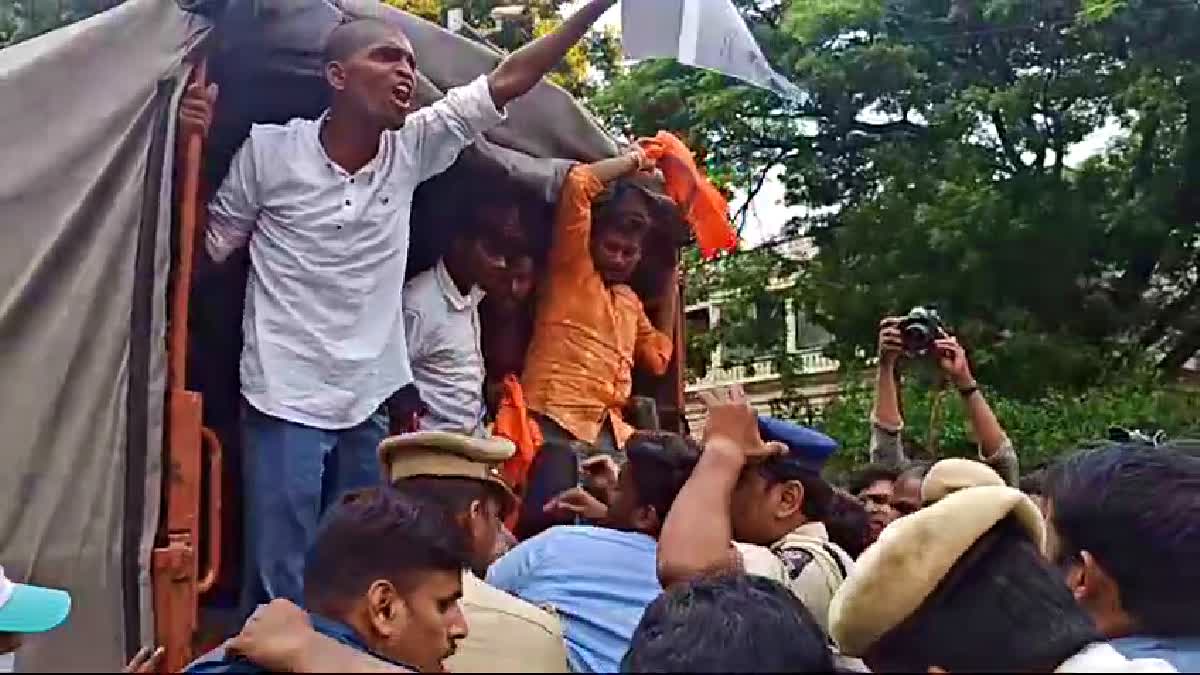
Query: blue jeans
[(291, 473)]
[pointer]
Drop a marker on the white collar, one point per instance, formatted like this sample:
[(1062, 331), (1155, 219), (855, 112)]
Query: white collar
[(450, 289)]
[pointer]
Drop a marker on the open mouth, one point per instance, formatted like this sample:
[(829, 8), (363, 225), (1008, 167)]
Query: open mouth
[(402, 94)]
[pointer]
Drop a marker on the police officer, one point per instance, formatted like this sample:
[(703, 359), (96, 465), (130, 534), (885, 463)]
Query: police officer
[(758, 483), (505, 634)]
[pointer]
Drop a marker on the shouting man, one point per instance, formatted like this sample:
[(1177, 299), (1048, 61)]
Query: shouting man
[(324, 207)]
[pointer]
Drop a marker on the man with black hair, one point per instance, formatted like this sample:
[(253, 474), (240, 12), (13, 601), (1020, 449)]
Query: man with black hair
[(600, 579), (873, 485), (459, 475), (758, 483), (382, 578), (849, 523), (731, 623), (324, 207), (1124, 525), (442, 315), (591, 329), (887, 423), (961, 586)]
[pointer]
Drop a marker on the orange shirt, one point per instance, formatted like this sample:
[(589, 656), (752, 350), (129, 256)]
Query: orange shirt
[(586, 335)]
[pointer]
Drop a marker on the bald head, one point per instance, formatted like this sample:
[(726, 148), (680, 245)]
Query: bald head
[(369, 65), (352, 37)]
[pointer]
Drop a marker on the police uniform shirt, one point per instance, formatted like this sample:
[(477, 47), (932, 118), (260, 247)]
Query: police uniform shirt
[(806, 562), (506, 634)]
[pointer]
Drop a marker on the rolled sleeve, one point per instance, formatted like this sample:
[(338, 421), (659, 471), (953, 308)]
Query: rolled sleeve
[(653, 348), (234, 210), (570, 251), (1005, 462), (440, 131), (887, 445)]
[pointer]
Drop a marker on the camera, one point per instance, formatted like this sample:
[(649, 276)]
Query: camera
[(919, 329)]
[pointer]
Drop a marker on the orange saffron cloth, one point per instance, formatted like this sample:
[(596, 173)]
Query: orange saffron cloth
[(702, 204)]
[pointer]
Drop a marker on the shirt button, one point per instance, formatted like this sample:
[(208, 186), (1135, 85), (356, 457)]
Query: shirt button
[(347, 202)]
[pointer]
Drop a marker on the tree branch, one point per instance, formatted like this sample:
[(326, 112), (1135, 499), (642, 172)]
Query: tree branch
[(1010, 151)]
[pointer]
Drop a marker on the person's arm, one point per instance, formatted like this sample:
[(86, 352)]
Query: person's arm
[(994, 447), (697, 535), (652, 348), (524, 68), (233, 211), (887, 446), (280, 638)]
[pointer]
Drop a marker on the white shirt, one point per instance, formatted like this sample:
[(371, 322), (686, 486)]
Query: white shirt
[(1101, 657), (444, 348), (323, 325)]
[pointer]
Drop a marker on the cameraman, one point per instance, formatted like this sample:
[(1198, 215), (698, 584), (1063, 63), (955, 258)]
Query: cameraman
[(887, 447)]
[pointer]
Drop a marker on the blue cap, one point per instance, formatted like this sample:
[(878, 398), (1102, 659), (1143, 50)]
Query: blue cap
[(808, 449), (31, 609)]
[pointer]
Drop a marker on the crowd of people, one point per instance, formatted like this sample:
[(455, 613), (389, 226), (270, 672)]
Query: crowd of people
[(573, 536)]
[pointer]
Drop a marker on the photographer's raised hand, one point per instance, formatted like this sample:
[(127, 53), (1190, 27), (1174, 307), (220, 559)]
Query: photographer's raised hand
[(952, 359), (891, 341), (886, 420), (994, 446)]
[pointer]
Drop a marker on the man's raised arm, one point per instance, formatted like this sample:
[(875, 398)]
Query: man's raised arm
[(523, 69), (697, 536)]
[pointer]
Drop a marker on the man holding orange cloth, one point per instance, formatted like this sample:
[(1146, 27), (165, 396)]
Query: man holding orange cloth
[(591, 327)]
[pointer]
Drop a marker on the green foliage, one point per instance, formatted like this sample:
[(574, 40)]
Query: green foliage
[(935, 149), (24, 19), (575, 73), (1040, 429)]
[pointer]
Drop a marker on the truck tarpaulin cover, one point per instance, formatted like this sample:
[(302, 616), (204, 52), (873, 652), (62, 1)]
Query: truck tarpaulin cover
[(86, 207)]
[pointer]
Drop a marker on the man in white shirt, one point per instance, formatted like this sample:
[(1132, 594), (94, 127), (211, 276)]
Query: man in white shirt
[(441, 314), (324, 207)]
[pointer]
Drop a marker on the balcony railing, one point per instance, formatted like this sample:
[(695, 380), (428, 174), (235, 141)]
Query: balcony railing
[(811, 362)]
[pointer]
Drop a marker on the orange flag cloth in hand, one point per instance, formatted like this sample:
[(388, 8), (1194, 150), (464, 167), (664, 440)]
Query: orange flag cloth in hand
[(513, 422), (702, 204)]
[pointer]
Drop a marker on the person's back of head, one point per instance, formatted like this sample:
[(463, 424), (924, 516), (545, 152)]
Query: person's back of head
[(1001, 608), (659, 463), (1125, 524), (476, 507), (390, 567), (733, 623), (848, 523), (961, 585)]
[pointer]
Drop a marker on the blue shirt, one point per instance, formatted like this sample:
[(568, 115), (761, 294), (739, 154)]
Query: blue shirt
[(599, 581), (217, 661), (1181, 652)]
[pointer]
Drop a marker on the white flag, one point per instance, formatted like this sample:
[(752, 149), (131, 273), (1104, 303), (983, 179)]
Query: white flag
[(703, 33)]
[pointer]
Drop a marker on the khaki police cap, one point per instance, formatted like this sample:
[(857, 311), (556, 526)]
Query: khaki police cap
[(894, 577), (441, 454), (951, 475)]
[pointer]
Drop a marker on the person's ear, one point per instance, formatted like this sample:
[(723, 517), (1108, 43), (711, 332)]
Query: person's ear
[(1095, 585), (387, 612), (335, 75), (791, 498)]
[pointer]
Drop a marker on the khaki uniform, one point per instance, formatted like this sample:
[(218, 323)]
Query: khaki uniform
[(506, 634), (804, 561)]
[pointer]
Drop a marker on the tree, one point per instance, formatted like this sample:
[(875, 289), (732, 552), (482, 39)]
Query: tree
[(539, 17), (23, 19), (935, 147)]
